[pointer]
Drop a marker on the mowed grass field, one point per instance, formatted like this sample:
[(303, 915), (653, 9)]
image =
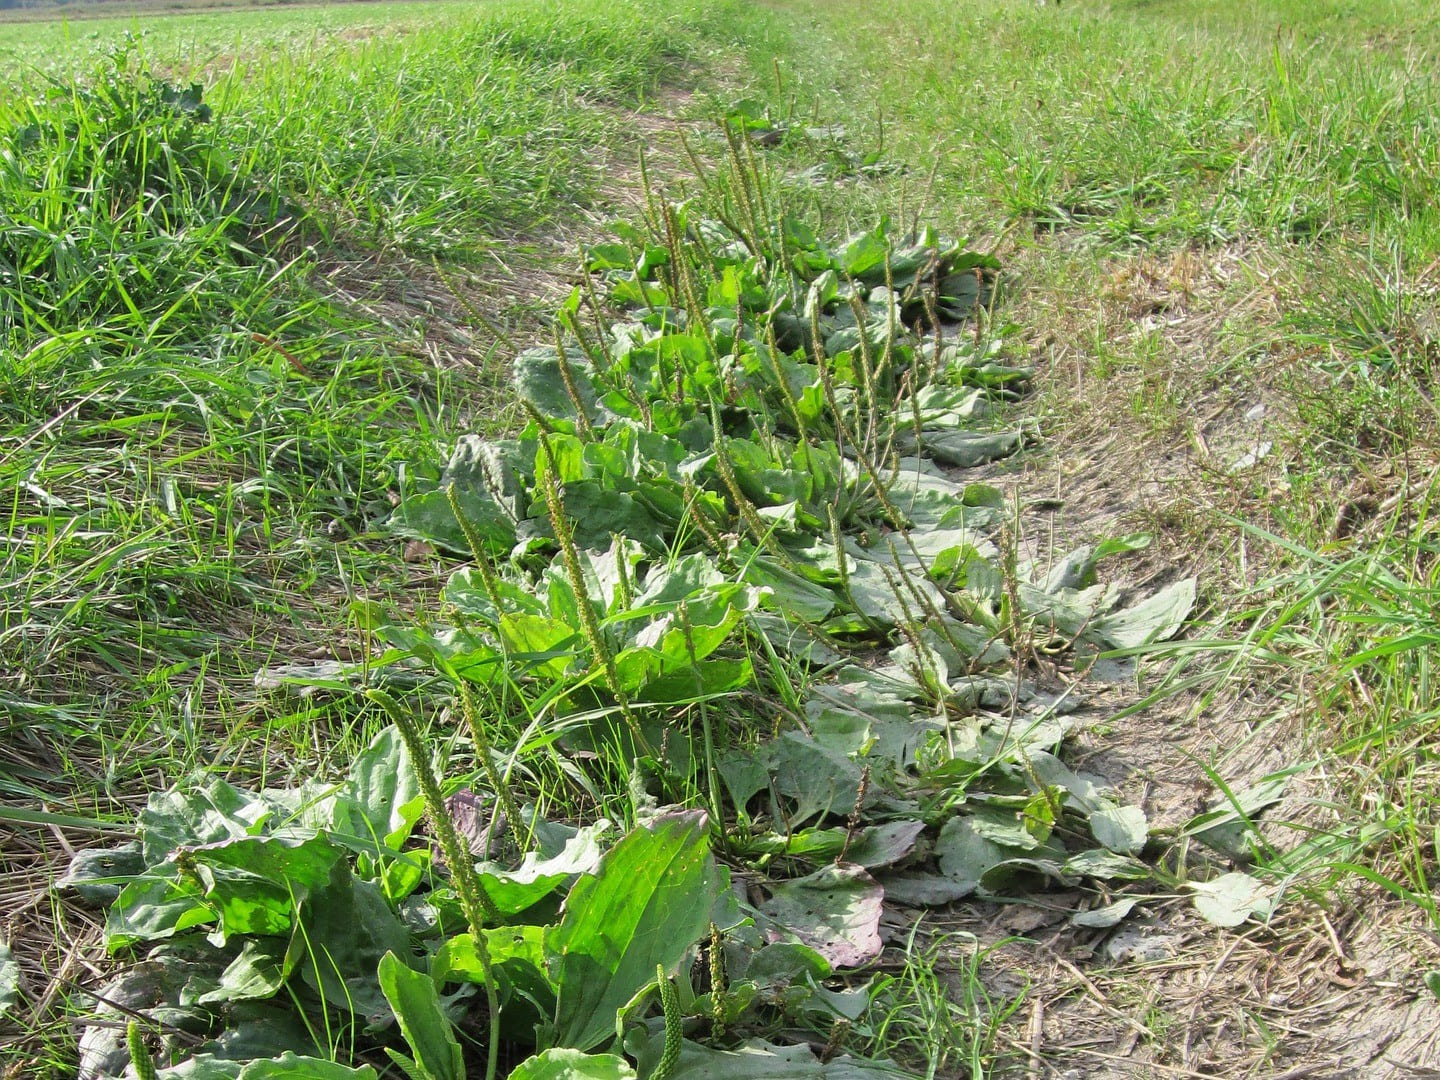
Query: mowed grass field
[(1221, 248)]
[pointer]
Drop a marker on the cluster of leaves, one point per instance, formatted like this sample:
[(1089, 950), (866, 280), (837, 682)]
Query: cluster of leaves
[(725, 567), (308, 919), (736, 493), (829, 143)]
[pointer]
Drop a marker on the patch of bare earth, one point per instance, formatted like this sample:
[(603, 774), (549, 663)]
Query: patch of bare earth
[(1143, 435)]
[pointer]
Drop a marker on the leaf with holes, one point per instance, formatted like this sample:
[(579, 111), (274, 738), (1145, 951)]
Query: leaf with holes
[(835, 911)]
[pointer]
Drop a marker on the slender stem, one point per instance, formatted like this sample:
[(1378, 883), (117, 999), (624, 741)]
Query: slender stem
[(589, 626), (474, 901)]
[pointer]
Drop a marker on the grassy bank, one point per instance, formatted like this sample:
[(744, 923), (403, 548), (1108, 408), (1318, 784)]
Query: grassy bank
[(239, 323), (242, 260)]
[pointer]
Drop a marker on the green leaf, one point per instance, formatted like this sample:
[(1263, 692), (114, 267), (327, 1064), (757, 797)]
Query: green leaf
[(258, 972), (863, 256), (877, 845), (690, 683), (646, 904), (158, 905), (599, 513), (286, 1067), (790, 594), (611, 256), (96, 875), (512, 891), (1432, 983), (428, 516), (215, 812), (561, 1063), (820, 780), (538, 381), (291, 1067), (517, 958), (412, 996), (345, 929), (547, 645), (381, 798), (253, 883), (784, 962), (874, 596), (206, 1067)]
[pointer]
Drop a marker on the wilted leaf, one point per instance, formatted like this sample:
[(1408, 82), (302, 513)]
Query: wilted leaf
[(1227, 825), (1106, 866), (783, 962), (1232, 898), (96, 875), (757, 1060), (884, 844), (835, 911), (1103, 918), (1156, 618), (9, 980), (1122, 829), (474, 817), (963, 449)]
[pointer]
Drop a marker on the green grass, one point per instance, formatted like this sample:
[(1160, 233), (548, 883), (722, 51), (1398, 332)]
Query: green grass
[(212, 40), (200, 434), (1134, 123)]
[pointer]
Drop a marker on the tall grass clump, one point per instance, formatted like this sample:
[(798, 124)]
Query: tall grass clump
[(1352, 637), (117, 200)]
